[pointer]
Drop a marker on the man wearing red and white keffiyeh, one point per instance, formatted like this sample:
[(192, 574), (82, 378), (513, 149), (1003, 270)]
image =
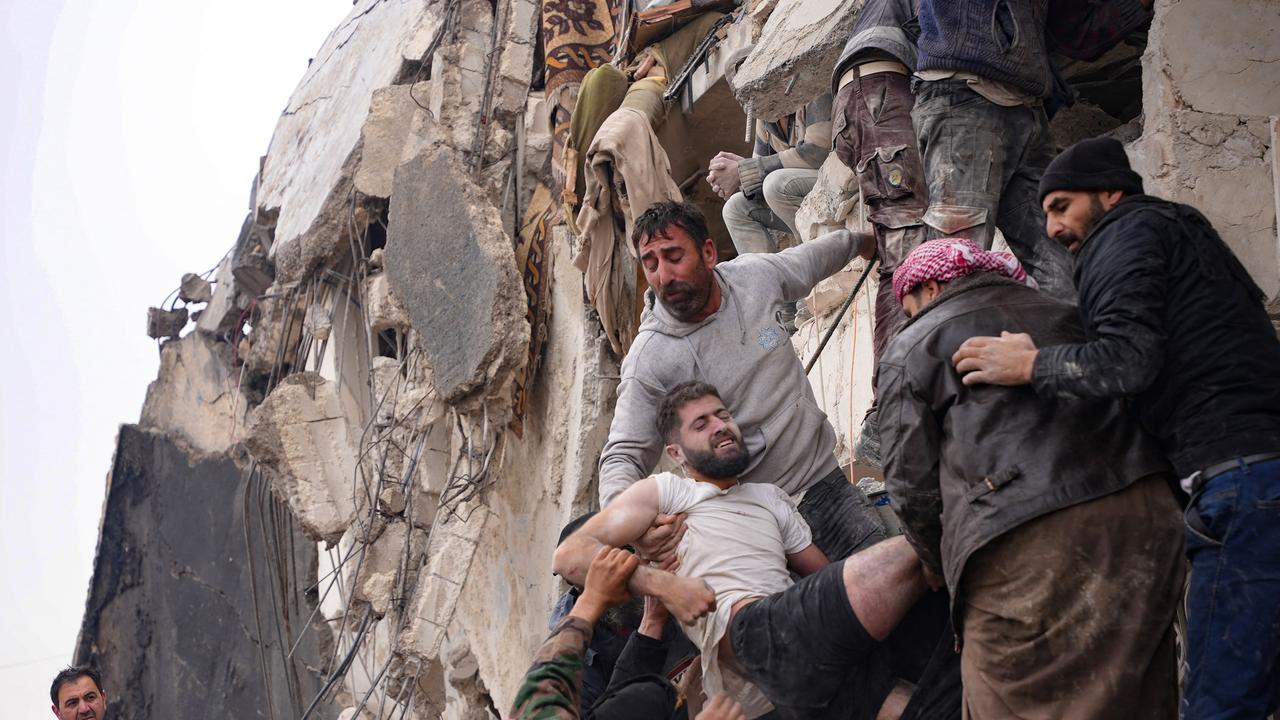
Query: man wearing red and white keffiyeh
[(946, 259)]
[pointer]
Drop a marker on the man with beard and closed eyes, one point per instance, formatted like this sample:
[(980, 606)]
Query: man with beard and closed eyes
[(761, 634), (1175, 324)]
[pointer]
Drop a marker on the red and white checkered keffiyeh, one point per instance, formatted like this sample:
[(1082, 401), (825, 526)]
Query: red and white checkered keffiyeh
[(946, 259)]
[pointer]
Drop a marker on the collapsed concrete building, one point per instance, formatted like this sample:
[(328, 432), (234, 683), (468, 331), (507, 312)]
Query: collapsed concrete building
[(373, 417)]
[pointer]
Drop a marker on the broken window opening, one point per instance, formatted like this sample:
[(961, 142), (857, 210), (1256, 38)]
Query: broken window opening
[(413, 71), (391, 344)]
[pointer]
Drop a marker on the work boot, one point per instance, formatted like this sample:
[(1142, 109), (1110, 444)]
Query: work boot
[(867, 450)]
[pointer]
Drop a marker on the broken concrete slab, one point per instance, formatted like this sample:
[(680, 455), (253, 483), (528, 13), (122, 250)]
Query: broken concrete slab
[(195, 398), (782, 72), (399, 548), (385, 133), (830, 203), (171, 615), (300, 435), (451, 262), (307, 174), (383, 308), (194, 289), (163, 323)]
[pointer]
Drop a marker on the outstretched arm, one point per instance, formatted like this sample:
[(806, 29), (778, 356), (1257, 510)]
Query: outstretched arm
[(623, 522)]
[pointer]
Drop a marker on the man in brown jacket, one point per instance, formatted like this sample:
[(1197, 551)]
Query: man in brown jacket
[(1051, 522)]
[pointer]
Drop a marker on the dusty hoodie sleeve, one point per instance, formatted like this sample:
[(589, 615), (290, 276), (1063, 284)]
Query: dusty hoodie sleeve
[(799, 268), (633, 448)]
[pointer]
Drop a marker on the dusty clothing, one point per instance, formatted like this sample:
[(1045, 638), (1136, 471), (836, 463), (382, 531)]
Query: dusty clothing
[(749, 221), (628, 171), (737, 541), (810, 654), (874, 137), (983, 164), (840, 516), (743, 350), (885, 29), (801, 140), (966, 464), (1174, 321), (1070, 616), (552, 687), (1009, 40)]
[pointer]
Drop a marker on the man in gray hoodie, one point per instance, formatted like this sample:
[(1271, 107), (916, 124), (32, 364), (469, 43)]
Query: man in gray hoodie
[(719, 323)]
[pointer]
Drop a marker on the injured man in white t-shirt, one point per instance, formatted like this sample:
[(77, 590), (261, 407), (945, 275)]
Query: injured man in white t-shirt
[(825, 647)]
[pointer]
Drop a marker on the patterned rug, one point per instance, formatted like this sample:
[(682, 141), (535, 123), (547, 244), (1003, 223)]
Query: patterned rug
[(531, 252), (578, 35)]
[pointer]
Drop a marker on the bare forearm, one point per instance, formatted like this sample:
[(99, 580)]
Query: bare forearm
[(574, 557)]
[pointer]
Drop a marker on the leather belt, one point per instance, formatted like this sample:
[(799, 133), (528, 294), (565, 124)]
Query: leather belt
[(1200, 477), (871, 68)]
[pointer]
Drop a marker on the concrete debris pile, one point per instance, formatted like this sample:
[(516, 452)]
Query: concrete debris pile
[(404, 272)]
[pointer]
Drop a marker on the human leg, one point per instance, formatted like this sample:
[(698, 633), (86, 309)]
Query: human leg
[(1021, 219), (748, 222), (883, 583), (1233, 615), (843, 521), (784, 190), (807, 651), (960, 138)]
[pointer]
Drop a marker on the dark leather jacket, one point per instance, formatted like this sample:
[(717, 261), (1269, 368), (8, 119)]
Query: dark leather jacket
[(965, 464)]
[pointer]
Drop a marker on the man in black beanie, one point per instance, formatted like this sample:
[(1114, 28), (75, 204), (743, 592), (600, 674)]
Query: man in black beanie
[(1174, 322)]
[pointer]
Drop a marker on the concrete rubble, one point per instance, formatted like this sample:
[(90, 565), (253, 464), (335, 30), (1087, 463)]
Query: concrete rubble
[(351, 372), (450, 259), (194, 289), (300, 435), (163, 323)]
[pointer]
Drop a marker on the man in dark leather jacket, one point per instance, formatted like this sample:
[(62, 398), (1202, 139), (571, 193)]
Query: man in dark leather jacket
[(1052, 522), (1176, 324)]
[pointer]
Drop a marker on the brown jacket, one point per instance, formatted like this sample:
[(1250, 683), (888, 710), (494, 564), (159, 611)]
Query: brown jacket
[(965, 464)]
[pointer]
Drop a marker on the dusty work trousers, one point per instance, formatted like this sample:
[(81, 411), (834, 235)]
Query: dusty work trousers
[(873, 135), (1070, 615), (983, 163), (750, 220)]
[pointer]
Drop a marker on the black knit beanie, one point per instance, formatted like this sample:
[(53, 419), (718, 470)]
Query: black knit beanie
[(1092, 165)]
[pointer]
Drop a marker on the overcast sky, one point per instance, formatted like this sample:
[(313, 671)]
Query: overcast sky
[(131, 131)]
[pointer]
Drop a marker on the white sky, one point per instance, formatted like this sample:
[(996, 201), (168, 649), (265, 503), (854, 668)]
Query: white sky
[(131, 131)]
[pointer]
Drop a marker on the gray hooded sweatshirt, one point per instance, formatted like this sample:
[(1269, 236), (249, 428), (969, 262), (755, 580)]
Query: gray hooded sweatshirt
[(743, 351)]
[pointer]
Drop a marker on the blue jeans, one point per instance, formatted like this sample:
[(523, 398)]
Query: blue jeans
[(1233, 609)]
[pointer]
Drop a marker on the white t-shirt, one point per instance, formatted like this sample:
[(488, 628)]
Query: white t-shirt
[(737, 541)]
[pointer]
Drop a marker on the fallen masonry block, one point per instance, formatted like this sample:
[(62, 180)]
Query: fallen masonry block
[(163, 323), (300, 435), (195, 289), (800, 36), (450, 261)]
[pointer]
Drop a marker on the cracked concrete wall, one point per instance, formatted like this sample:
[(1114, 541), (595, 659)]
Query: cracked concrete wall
[(171, 617), (305, 176), (1211, 91), (544, 481)]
